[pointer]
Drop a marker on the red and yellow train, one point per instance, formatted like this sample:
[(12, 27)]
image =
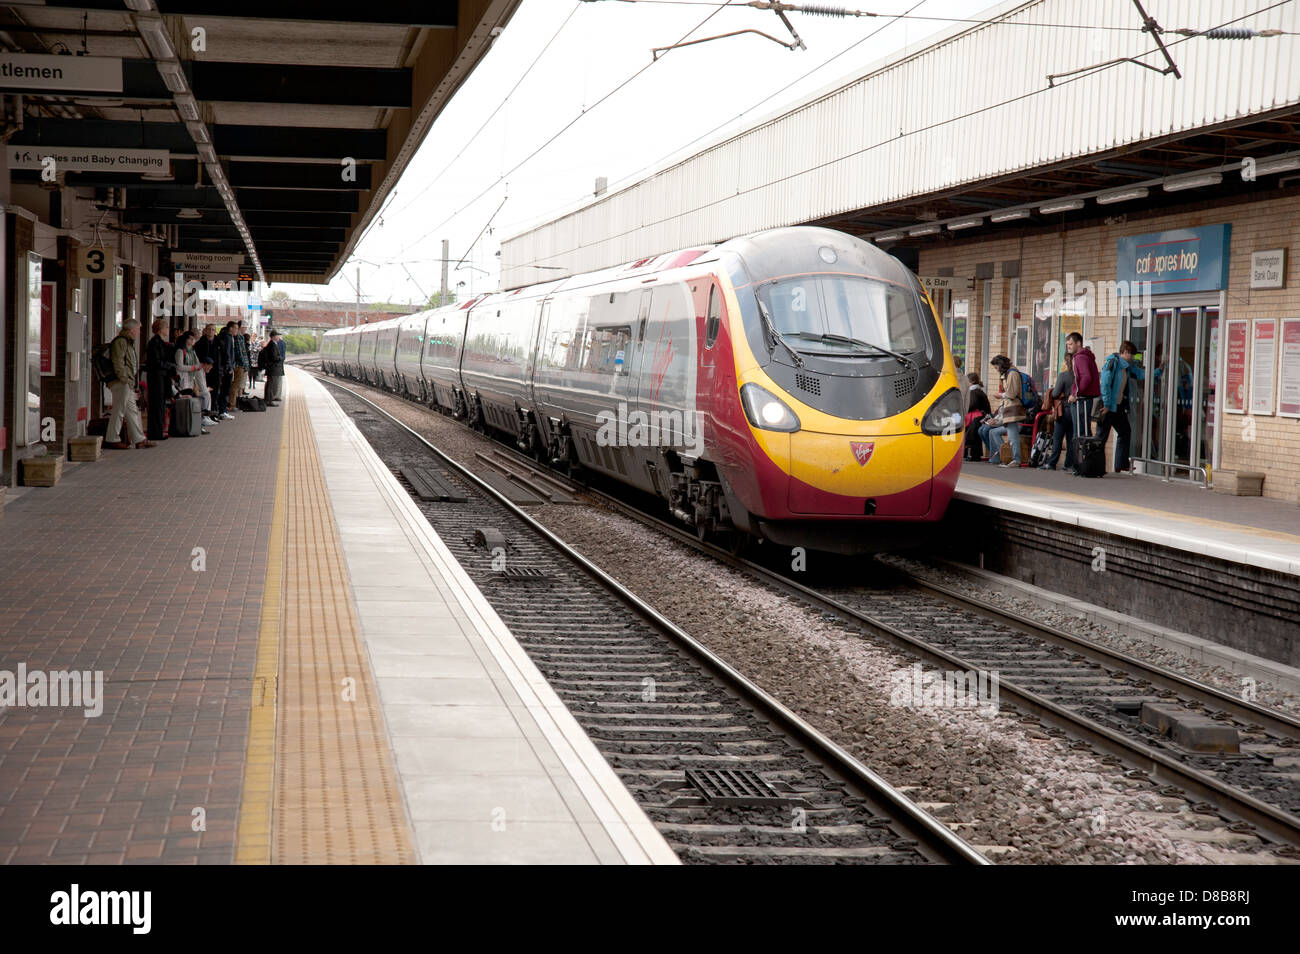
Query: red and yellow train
[(793, 385)]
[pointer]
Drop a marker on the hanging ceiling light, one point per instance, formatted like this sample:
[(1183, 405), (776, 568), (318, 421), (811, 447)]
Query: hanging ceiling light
[(1123, 195), (1179, 183)]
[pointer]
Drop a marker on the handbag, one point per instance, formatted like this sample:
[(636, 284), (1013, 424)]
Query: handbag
[(1099, 412)]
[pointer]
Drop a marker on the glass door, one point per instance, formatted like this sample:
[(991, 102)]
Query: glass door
[(1172, 420)]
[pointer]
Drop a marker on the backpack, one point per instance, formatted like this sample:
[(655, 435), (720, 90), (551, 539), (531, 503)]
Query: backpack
[(1028, 393), (101, 360)]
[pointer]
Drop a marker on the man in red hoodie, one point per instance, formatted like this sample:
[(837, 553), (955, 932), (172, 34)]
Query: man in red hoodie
[(1087, 384)]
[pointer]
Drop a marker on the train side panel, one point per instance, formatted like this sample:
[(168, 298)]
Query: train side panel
[(444, 333), (499, 337)]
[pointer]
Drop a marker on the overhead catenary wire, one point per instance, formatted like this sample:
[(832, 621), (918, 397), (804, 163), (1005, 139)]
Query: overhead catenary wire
[(952, 119), (566, 127)]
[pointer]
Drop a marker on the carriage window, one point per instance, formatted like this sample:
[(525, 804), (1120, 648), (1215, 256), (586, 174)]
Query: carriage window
[(605, 350), (714, 321)]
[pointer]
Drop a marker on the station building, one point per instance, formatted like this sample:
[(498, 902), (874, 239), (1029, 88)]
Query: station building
[(1094, 181)]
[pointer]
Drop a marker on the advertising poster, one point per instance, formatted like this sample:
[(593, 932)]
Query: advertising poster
[(1041, 365), (1288, 404), (47, 329), (960, 315), (1263, 359), (1238, 345)]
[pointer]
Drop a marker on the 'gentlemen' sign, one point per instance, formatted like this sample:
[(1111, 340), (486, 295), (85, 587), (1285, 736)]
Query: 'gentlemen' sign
[(41, 71)]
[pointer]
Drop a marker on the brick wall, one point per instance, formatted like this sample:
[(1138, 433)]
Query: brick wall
[(1089, 252)]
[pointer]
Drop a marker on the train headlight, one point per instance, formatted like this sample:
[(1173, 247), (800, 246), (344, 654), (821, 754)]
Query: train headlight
[(767, 411), (945, 415)]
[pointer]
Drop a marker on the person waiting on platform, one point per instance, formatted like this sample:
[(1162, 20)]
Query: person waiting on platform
[(126, 383), (272, 362), (190, 371), (210, 356), (1087, 385), (226, 361), (1117, 375), (1062, 429), (1010, 415), (250, 348), (240, 376), (158, 368), (977, 409)]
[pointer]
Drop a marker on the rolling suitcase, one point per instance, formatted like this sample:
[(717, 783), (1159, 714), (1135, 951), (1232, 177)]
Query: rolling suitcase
[(1089, 451), (187, 417)]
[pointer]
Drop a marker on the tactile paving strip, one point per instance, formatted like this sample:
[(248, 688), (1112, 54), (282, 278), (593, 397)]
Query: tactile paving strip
[(336, 799)]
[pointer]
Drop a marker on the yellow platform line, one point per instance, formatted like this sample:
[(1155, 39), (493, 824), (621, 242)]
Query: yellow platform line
[(1136, 508), (253, 837), (320, 786)]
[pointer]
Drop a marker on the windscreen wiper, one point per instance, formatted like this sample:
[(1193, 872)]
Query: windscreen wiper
[(859, 343), (775, 336)]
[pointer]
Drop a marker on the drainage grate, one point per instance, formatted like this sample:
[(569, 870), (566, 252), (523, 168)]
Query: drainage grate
[(523, 573), (808, 383), (734, 787)]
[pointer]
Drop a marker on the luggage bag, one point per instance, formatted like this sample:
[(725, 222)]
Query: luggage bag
[(187, 417), (1089, 451)]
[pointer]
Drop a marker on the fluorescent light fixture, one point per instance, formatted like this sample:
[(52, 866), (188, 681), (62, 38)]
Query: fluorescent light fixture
[(1009, 215), (154, 33), (207, 153), (923, 230), (889, 237), (164, 176), (1123, 195), (187, 107), (172, 75), (965, 223), (1179, 183), (140, 6), (198, 132), (1269, 166), (189, 214), (1069, 205)]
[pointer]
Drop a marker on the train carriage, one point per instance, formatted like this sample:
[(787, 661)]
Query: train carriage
[(409, 349)]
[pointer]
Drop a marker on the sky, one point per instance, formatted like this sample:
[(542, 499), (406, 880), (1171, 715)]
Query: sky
[(475, 180)]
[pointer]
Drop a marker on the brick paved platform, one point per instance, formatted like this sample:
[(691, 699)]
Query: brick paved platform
[(269, 700), (96, 574)]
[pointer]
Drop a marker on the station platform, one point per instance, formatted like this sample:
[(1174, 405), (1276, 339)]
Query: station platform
[(294, 670), (1216, 576), (1255, 531)]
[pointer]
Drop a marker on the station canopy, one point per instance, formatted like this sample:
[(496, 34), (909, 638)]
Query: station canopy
[(285, 124)]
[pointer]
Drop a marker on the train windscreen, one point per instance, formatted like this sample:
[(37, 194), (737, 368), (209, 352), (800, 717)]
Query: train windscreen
[(844, 315)]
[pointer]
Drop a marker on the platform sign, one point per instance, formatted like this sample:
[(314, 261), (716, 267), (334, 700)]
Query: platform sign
[(1263, 361), (44, 72), (95, 261), (960, 318), (90, 159), (1288, 379), (1268, 268), (934, 283), (1238, 347), (208, 261)]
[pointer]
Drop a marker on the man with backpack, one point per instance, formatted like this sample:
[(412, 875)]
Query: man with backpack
[(1117, 374), (124, 386)]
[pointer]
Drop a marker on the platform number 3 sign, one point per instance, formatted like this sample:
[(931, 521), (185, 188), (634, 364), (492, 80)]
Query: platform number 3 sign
[(95, 261)]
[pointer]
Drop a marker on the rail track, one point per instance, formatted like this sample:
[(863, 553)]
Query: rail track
[(726, 772)]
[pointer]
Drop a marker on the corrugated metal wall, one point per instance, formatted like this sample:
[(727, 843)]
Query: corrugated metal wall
[(970, 108)]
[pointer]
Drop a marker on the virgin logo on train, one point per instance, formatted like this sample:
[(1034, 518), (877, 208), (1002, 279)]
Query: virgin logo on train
[(863, 450)]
